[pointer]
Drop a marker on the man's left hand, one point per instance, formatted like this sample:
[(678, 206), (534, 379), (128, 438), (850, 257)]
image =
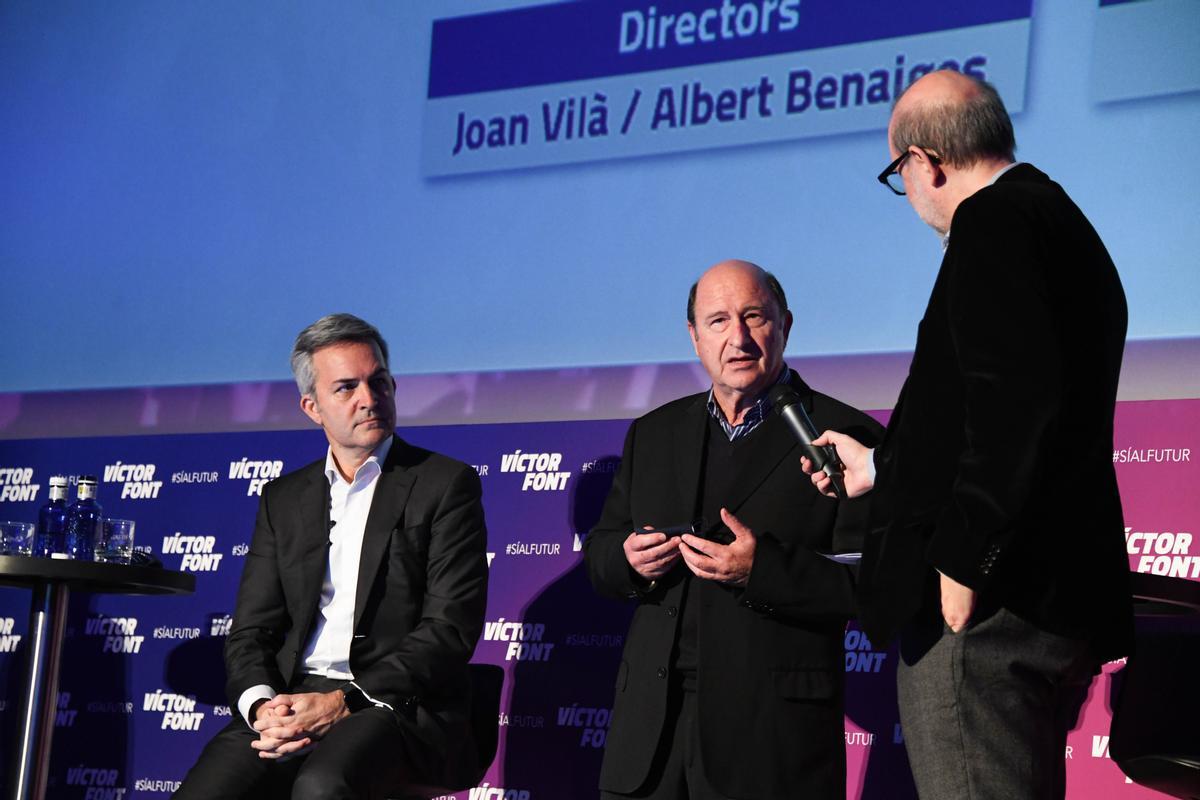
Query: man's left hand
[(724, 563), (958, 603), (309, 716)]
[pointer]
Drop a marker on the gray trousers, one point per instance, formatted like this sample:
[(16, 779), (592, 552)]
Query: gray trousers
[(985, 712)]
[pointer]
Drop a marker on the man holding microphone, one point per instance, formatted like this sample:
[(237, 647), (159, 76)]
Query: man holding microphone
[(996, 547)]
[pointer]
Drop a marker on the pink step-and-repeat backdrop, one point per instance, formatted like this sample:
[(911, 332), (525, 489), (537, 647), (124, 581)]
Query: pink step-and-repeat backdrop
[(142, 676)]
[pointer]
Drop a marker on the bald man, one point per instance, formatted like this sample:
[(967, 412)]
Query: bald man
[(731, 680), (996, 548)]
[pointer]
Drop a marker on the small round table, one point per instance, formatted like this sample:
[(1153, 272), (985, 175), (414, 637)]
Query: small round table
[(1152, 735), (1163, 596), (51, 581)]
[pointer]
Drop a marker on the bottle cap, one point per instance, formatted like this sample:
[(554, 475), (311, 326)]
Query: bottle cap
[(58, 480)]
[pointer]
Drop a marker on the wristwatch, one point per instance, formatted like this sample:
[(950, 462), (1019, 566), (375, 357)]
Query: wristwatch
[(354, 698)]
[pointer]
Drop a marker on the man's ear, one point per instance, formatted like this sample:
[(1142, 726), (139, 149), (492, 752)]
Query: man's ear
[(939, 176), (695, 338), (932, 174), (787, 326), (310, 408)]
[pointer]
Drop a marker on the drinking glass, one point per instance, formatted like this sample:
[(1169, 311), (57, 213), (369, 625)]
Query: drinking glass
[(116, 541), (16, 538)]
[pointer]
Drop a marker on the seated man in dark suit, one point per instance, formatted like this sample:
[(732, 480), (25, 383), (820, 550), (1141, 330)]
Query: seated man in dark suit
[(360, 602), (731, 680)]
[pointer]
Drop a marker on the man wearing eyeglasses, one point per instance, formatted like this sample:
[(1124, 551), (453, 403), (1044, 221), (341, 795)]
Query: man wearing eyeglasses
[(996, 547)]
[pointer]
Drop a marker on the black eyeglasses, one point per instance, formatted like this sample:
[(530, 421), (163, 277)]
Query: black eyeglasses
[(890, 177)]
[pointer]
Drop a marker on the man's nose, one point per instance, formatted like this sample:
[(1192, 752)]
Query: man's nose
[(739, 334), (367, 396)]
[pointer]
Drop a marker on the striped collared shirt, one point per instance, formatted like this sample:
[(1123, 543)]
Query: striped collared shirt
[(754, 417)]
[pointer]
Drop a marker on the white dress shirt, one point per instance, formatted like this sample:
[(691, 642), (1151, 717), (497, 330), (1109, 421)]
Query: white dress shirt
[(328, 650)]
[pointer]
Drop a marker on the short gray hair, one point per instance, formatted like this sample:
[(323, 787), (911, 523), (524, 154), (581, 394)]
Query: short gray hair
[(330, 330), (962, 132)]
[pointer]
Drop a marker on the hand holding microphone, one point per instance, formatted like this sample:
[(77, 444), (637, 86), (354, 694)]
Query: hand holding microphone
[(824, 459), (840, 465)]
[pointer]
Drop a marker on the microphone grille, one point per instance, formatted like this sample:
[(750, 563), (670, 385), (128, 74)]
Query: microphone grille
[(781, 396)]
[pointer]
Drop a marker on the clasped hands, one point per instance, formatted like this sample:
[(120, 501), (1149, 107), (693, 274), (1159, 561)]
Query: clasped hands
[(291, 724), (652, 553)]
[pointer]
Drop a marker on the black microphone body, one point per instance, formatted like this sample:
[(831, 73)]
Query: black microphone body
[(787, 404)]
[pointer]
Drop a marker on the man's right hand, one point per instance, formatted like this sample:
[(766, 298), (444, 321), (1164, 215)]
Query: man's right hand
[(858, 462), (651, 553), (273, 714)]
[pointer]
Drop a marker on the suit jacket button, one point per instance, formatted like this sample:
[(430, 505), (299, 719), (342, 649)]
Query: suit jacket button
[(672, 611), (662, 672)]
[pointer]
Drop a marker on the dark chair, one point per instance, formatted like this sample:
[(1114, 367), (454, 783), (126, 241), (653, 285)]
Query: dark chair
[(1155, 737), (487, 680)]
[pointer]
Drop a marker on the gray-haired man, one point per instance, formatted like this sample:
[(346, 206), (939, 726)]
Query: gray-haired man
[(360, 603)]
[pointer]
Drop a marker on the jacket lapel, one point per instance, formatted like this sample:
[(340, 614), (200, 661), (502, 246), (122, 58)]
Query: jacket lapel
[(387, 508), (689, 454), (314, 550)]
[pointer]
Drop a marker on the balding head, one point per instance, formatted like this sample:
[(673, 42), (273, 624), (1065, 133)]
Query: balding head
[(960, 118), (739, 322), (945, 84), (769, 281)]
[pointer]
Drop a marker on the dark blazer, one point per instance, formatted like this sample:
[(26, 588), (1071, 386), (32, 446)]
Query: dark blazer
[(422, 587), (997, 464), (771, 657)]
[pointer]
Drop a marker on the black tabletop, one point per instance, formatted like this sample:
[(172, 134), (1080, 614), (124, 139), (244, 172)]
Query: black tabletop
[(91, 576), (1160, 595)]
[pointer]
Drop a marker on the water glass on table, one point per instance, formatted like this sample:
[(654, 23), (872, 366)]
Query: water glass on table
[(116, 541), (16, 538)]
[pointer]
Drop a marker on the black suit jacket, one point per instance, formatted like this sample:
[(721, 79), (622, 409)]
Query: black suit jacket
[(996, 468), (771, 657), (422, 587)]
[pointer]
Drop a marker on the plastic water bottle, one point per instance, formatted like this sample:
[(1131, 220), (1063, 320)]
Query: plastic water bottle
[(52, 520), (85, 517)]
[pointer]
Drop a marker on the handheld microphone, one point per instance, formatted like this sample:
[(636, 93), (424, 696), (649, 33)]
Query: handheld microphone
[(787, 404)]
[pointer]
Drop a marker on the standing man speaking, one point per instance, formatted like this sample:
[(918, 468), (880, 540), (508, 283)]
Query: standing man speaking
[(996, 549), (730, 685)]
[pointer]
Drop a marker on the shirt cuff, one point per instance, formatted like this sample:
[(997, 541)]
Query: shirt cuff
[(250, 697), (372, 700)]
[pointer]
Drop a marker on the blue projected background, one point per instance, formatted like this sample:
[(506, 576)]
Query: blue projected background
[(187, 184)]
